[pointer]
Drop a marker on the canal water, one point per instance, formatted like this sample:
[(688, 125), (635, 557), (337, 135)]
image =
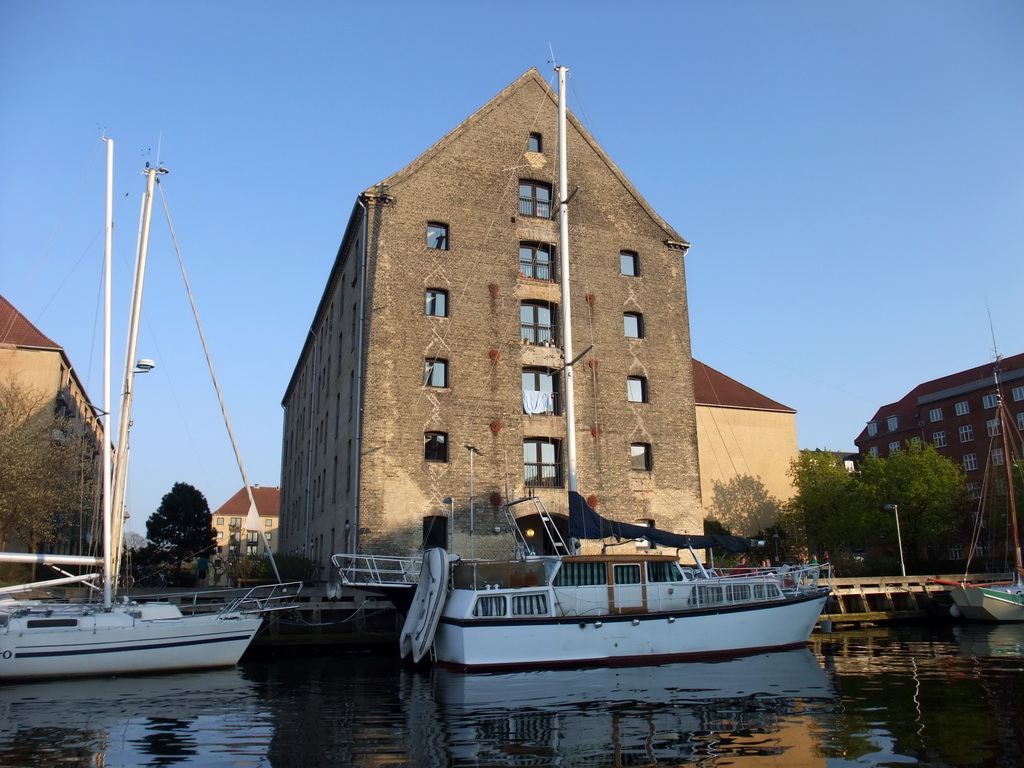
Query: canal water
[(924, 695)]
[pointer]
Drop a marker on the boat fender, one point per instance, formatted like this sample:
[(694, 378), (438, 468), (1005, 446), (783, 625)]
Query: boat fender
[(954, 611)]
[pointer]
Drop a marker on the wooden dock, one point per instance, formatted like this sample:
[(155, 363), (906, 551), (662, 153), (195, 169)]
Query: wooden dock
[(879, 599)]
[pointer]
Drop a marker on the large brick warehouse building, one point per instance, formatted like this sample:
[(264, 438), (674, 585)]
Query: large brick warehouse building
[(429, 386)]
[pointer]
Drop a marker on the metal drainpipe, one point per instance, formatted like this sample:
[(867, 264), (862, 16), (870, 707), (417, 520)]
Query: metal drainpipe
[(358, 394)]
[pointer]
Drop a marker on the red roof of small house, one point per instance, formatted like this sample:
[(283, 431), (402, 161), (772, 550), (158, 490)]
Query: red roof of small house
[(712, 388), (17, 331), (268, 503)]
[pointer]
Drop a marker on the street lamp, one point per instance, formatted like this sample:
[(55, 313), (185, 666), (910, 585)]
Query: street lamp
[(899, 538)]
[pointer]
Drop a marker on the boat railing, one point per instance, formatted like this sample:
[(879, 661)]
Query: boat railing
[(355, 570), (552, 534), (266, 598)]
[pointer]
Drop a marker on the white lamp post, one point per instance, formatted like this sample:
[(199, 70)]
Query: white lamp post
[(899, 538)]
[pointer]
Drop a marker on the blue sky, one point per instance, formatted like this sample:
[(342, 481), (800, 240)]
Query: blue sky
[(851, 176)]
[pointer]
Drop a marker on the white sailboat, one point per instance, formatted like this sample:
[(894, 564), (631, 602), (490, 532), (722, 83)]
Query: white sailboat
[(570, 609), (43, 638), (1004, 601)]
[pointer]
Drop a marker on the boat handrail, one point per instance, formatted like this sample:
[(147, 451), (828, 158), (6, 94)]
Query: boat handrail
[(377, 569)]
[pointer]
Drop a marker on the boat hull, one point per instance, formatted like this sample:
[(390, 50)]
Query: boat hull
[(628, 638), (118, 642), (992, 603)]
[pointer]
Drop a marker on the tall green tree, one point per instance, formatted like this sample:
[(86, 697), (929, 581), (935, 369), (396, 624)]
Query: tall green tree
[(829, 509), (929, 490), (182, 527)]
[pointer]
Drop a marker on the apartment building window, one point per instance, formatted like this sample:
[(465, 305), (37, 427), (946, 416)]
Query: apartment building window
[(935, 414), (535, 143), (437, 236), (974, 491), (437, 302), (990, 401), (537, 320), (536, 261), (435, 372), (640, 456), (970, 461), (872, 428), (966, 433), (1018, 394), (892, 423), (636, 389), (992, 427), (535, 199), (998, 457), (633, 324), (540, 391), (220, 521), (629, 263), (435, 446), (962, 409), (873, 450), (542, 463), (894, 447), (1020, 421), (939, 439)]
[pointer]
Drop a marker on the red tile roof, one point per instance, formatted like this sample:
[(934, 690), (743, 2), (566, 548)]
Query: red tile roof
[(716, 389), (268, 503), (17, 331)]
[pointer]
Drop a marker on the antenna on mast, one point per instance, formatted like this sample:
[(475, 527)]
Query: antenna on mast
[(992, 330)]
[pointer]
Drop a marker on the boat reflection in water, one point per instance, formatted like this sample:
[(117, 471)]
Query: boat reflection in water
[(748, 706)]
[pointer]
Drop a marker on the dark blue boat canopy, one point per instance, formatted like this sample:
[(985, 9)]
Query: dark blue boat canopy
[(585, 523)]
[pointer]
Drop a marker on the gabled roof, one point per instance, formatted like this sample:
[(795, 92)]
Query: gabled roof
[(715, 389), (17, 331), (268, 503), (531, 77)]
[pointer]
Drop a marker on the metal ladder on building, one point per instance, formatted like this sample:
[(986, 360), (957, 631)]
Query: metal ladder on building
[(551, 533)]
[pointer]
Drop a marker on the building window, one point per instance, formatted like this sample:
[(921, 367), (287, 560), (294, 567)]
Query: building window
[(268, 523), (1020, 421), (992, 427), (636, 389), (536, 261), (939, 439), (633, 323), (535, 143), (629, 263), (537, 320), (435, 372), (435, 446), (640, 456), (998, 457), (220, 521), (1018, 394), (990, 401), (966, 433), (962, 409), (894, 447), (956, 552), (872, 428), (873, 450), (935, 414), (970, 461), (535, 199), (892, 423), (437, 236), (974, 490), (540, 391), (542, 463), (437, 302)]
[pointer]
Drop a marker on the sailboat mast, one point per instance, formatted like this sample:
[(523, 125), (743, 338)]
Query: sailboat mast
[(125, 414), (563, 251), (108, 247), (1004, 426)]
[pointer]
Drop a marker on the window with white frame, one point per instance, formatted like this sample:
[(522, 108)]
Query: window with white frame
[(935, 414), (873, 450), (992, 427), (892, 423), (974, 490), (990, 401), (894, 447), (1020, 421), (872, 428), (939, 438), (1018, 394), (998, 457), (962, 409), (970, 461), (966, 433)]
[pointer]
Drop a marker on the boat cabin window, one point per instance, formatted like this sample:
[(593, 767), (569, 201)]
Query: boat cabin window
[(627, 574), (489, 605), (530, 605), (663, 571), (50, 623), (585, 574)]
